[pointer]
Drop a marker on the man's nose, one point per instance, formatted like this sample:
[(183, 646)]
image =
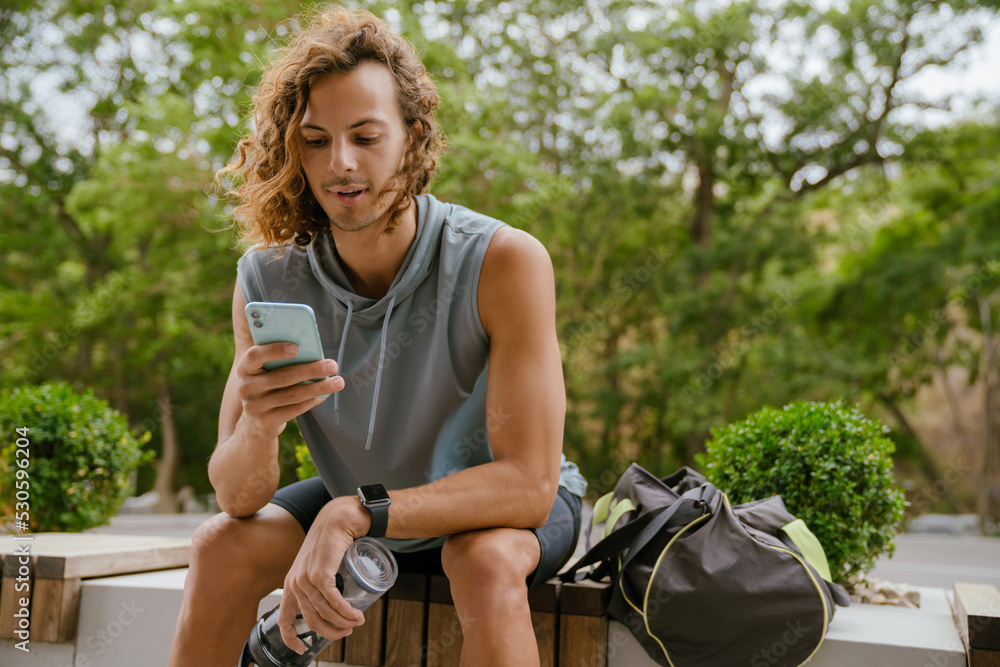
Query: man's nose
[(342, 158)]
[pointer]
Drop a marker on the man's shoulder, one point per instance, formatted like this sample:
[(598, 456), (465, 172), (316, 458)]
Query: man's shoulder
[(460, 219), (514, 249)]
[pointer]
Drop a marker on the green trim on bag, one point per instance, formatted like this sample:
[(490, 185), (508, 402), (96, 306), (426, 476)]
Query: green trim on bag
[(602, 507), (810, 547), (652, 577), (617, 511)]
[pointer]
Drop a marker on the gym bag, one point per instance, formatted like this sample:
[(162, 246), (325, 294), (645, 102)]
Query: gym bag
[(701, 583)]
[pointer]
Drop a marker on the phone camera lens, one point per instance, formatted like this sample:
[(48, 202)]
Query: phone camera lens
[(258, 324), (254, 314)]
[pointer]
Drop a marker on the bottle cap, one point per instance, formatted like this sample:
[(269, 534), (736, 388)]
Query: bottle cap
[(371, 564)]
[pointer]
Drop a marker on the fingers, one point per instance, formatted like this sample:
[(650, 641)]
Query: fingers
[(327, 615), (256, 356), (273, 398), (286, 622)]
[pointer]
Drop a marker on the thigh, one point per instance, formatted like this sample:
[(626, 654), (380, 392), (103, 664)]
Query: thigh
[(262, 546), (558, 537), (303, 499)]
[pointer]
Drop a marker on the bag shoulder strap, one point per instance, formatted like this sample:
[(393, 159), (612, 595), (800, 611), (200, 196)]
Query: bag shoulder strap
[(635, 534)]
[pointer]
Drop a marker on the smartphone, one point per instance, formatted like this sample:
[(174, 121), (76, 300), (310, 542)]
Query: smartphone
[(286, 323)]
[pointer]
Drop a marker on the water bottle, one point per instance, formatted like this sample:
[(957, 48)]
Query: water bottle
[(367, 571)]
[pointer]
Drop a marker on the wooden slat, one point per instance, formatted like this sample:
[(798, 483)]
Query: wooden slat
[(977, 612), (544, 597), (582, 640), (10, 597), (404, 632), (543, 601), (585, 598), (365, 645), (440, 589), (82, 555), (332, 653), (980, 658), (54, 609), (545, 626), (583, 624), (409, 586), (444, 635)]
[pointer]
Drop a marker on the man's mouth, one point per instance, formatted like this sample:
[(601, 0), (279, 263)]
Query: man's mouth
[(349, 197)]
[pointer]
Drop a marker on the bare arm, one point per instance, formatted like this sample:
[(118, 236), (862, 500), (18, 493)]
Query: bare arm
[(256, 406), (526, 407), (525, 404)]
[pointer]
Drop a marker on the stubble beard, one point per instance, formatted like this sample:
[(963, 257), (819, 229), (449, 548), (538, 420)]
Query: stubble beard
[(352, 223)]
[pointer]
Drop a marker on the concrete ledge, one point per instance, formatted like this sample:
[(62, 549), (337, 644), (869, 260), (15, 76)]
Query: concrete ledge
[(861, 636), (129, 620)]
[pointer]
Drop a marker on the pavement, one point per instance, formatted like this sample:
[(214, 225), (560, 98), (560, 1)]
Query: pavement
[(934, 560)]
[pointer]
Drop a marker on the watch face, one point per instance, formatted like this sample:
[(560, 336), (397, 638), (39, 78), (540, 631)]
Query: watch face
[(373, 494)]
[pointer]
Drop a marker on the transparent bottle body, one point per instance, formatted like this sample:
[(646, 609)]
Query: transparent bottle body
[(366, 572)]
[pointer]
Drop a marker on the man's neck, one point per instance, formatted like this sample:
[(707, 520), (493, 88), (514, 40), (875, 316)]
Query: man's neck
[(372, 259)]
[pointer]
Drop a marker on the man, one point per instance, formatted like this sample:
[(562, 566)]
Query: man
[(418, 298)]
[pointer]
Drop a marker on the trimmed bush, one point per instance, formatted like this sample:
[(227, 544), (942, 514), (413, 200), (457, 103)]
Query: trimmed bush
[(830, 464), (80, 455)]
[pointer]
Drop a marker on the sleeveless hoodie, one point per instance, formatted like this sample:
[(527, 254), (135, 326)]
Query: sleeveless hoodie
[(414, 363)]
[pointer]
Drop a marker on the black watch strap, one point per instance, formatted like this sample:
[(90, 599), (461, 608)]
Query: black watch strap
[(375, 499), (380, 519)]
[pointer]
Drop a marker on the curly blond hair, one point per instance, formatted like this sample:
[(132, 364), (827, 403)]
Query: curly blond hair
[(275, 203)]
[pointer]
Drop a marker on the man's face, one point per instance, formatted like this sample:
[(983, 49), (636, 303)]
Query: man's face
[(353, 141)]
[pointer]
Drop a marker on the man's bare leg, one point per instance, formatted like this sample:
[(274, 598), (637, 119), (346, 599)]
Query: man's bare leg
[(234, 563), (487, 570)]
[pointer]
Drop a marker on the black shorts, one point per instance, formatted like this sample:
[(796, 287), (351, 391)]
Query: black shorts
[(557, 538)]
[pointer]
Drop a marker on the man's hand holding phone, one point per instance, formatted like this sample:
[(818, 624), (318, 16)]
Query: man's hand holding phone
[(284, 373)]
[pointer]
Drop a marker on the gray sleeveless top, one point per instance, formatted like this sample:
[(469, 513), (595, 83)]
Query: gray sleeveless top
[(414, 362)]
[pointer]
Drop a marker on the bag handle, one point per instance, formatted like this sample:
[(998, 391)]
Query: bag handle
[(694, 504), (635, 534)]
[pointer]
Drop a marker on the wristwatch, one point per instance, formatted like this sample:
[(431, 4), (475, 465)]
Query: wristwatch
[(375, 498)]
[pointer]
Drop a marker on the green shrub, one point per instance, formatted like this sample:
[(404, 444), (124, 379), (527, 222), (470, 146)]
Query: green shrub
[(831, 465), (307, 468), (80, 455)]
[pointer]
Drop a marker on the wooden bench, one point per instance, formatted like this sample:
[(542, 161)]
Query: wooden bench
[(415, 625), (46, 570), (977, 613)]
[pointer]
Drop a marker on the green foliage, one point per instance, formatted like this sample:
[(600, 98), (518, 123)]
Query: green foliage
[(741, 206), (307, 468), (80, 455), (830, 464)]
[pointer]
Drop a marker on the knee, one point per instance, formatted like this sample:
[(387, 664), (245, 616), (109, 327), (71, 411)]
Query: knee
[(222, 539), (486, 564)]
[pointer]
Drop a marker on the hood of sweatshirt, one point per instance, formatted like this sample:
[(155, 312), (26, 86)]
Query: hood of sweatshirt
[(417, 264)]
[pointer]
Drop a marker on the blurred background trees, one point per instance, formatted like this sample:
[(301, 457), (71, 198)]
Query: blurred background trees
[(747, 204)]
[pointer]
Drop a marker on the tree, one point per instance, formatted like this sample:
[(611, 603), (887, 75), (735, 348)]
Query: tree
[(923, 295)]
